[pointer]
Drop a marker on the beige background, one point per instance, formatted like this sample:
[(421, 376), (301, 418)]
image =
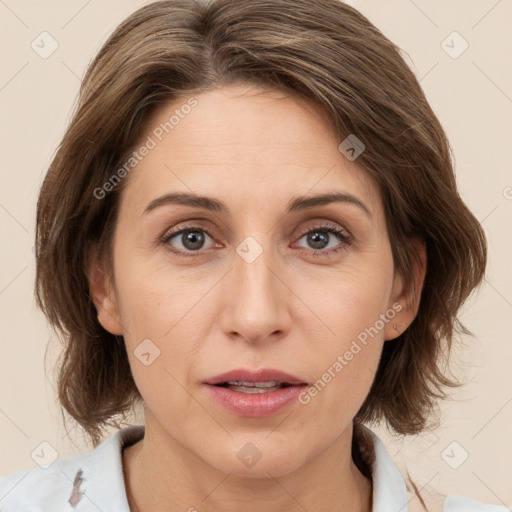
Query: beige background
[(472, 96)]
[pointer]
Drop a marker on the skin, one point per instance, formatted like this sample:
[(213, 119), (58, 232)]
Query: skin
[(293, 308)]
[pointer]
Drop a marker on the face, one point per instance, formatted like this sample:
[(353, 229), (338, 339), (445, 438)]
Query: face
[(254, 278)]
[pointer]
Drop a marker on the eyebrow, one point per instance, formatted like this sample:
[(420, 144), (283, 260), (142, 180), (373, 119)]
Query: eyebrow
[(295, 204)]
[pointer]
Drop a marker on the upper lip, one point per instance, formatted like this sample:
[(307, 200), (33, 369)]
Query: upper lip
[(263, 375)]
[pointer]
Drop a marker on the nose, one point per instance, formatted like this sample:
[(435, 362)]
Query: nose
[(257, 300)]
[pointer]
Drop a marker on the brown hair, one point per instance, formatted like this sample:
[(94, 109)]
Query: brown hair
[(324, 51)]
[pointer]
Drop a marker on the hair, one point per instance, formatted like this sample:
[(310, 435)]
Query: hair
[(323, 51)]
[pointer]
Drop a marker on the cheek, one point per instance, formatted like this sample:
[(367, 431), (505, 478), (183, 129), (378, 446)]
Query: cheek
[(345, 367), (164, 317), (351, 301), (153, 297), (354, 309)]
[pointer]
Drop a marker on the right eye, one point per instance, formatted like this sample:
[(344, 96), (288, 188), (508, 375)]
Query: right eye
[(188, 240)]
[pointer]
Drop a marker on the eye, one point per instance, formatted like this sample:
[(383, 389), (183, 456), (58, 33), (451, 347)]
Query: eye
[(187, 240), (325, 239)]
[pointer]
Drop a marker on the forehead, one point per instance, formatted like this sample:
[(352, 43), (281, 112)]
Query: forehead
[(250, 145)]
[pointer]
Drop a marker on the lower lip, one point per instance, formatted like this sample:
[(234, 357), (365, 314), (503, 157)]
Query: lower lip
[(257, 405)]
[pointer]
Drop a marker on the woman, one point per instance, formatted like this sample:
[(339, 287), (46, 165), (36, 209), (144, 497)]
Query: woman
[(257, 234)]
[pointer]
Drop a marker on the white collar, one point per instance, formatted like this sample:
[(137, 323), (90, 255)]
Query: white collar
[(102, 483), (389, 489)]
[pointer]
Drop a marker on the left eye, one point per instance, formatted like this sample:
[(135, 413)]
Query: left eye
[(322, 238)]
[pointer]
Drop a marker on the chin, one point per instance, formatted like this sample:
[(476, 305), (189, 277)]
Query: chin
[(255, 457)]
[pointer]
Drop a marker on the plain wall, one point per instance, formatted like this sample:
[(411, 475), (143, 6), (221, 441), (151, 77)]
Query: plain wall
[(471, 95)]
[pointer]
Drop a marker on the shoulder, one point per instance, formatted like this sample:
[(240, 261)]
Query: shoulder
[(394, 490), (432, 501), (45, 489), (79, 484)]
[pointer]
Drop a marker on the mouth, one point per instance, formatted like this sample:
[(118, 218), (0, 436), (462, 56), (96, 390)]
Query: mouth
[(255, 394), (266, 379)]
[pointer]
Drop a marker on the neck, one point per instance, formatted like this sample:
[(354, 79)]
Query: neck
[(161, 474)]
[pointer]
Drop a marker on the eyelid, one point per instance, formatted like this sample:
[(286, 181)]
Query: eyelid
[(194, 226), (327, 225)]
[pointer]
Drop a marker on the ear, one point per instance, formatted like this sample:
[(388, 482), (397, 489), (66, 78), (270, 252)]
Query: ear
[(404, 301), (104, 298)]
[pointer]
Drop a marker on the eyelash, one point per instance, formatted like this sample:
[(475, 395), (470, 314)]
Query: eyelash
[(326, 227)]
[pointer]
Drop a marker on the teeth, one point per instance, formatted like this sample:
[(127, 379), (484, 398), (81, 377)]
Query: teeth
[(243, 386), (270, 384), (252, 390)]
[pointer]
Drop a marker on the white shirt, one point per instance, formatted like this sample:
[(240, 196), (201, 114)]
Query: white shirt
[(94, 482)]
